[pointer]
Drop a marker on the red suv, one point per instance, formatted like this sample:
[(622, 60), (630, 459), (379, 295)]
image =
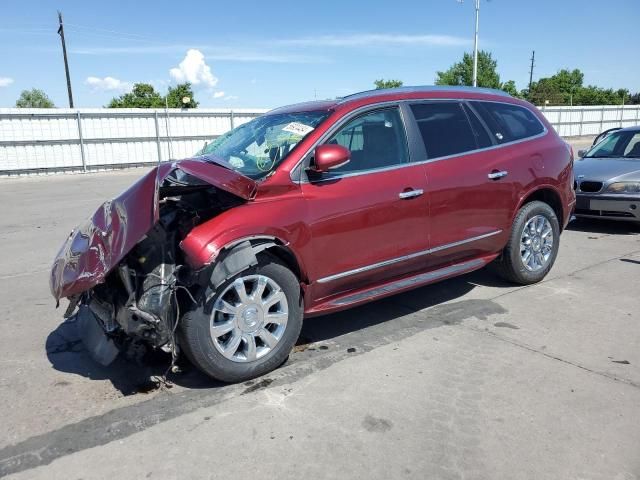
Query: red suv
[(314, 208)]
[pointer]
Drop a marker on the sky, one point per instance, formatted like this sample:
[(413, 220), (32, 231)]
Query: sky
[(262, 54)]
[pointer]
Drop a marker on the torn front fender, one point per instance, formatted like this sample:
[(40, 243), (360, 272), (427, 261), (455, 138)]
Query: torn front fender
[(95, 247)]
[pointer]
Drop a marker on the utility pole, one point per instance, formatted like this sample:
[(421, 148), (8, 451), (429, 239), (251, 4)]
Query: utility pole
[(533, 59), (475, 46), (64, 54)]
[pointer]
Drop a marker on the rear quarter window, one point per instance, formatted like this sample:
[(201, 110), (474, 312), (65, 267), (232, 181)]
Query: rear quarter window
[(508, 122)]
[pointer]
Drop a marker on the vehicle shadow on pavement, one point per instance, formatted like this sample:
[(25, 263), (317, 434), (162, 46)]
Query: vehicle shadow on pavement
[(610, 227), (67, 354), (324, 328)]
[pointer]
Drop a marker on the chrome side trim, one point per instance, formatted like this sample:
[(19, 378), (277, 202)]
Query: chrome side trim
[(416, 281), (393, 261)]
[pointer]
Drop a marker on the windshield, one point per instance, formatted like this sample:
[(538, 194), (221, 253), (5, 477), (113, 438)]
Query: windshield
[(256, 148), (625, 144)]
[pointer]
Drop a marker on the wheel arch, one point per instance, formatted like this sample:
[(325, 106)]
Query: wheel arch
[(548, 195), (274, 246)]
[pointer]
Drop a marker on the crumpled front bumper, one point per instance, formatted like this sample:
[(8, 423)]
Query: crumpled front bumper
[(95, 247)]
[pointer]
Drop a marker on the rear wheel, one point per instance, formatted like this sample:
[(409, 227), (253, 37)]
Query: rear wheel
[(248, 326), (533, 245)]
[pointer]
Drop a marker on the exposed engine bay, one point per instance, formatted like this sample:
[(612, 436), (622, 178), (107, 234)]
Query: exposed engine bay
[(138, 302)]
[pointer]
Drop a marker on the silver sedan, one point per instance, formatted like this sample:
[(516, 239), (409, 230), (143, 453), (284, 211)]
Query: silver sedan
[(608, 177)]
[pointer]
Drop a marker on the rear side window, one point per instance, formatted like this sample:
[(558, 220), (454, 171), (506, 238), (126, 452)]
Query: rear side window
[(482, 137), (508, 122), (444, 128)]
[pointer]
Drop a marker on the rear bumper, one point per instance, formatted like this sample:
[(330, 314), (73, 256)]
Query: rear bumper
[(614, 208)]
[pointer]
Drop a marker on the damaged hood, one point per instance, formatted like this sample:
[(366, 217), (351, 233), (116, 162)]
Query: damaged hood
[(95, 247)]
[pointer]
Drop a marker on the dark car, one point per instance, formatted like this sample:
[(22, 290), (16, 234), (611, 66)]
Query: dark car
[(608, 177), (311, 209)]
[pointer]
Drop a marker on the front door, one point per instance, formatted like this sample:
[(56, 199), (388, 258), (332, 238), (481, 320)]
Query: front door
[(368, 219)]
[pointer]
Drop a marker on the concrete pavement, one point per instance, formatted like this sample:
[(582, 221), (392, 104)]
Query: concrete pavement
[(469, 378)]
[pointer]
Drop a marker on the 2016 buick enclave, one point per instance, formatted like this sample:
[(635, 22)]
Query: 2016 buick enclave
[(314, 208)]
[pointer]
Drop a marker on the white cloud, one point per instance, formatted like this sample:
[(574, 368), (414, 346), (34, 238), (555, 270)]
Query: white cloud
[(193, 69), (5, 81), (108, 84), (218, 94), (231, 97)]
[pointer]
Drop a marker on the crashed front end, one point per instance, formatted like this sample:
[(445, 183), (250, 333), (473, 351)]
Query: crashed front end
[(124, 269)]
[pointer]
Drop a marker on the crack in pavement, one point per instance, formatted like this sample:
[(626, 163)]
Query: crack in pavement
[(125, 421), (551, 279), (524, 346)]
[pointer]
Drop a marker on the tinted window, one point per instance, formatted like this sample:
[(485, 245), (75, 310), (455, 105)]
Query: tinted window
[(376, 140), (508, 122), (482, 137), (444, 127)]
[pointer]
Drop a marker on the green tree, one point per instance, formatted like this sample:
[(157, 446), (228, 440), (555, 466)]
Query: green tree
[(559, 89), (461, 73), (143, 95), (380, 84), (176, 94), (567, 88), (34, 98), (634, 99), (510, 87)]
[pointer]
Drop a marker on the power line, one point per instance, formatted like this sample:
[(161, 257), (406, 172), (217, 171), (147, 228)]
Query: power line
[(115, 32)]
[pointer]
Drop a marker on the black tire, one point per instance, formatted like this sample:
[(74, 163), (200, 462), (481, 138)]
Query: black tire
[(510, 265), (197, 344)]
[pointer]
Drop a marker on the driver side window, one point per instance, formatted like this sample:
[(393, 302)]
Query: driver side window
[(376, 140)]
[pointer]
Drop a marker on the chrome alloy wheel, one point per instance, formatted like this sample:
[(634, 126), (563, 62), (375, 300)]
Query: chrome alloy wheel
[(249, 318), (536, 243)]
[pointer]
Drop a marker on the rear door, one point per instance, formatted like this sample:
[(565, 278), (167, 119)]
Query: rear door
[(469, 210), (368, 219)]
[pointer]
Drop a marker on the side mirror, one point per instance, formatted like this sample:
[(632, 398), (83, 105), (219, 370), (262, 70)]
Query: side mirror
[(582, 152), (330, 156)]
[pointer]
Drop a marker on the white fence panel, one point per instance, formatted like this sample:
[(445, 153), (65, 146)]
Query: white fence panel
[(591, 120), (43, 140)]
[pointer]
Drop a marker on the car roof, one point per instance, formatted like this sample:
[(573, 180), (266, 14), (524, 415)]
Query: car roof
[(434, 89), (371, 96), (635, 128)]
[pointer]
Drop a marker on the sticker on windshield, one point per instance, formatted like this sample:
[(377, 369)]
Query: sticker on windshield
[(236, 162), (298, 128)]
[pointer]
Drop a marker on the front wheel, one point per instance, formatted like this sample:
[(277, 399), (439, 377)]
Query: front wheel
[(533, 245), (248, 326)]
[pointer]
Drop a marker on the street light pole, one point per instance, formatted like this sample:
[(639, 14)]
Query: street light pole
[(475, 46)]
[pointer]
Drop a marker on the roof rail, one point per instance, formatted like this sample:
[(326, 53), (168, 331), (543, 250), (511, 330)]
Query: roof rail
[(422, 88)]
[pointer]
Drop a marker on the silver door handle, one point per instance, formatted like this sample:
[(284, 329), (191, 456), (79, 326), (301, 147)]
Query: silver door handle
[(497, 175), (411, 193)]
